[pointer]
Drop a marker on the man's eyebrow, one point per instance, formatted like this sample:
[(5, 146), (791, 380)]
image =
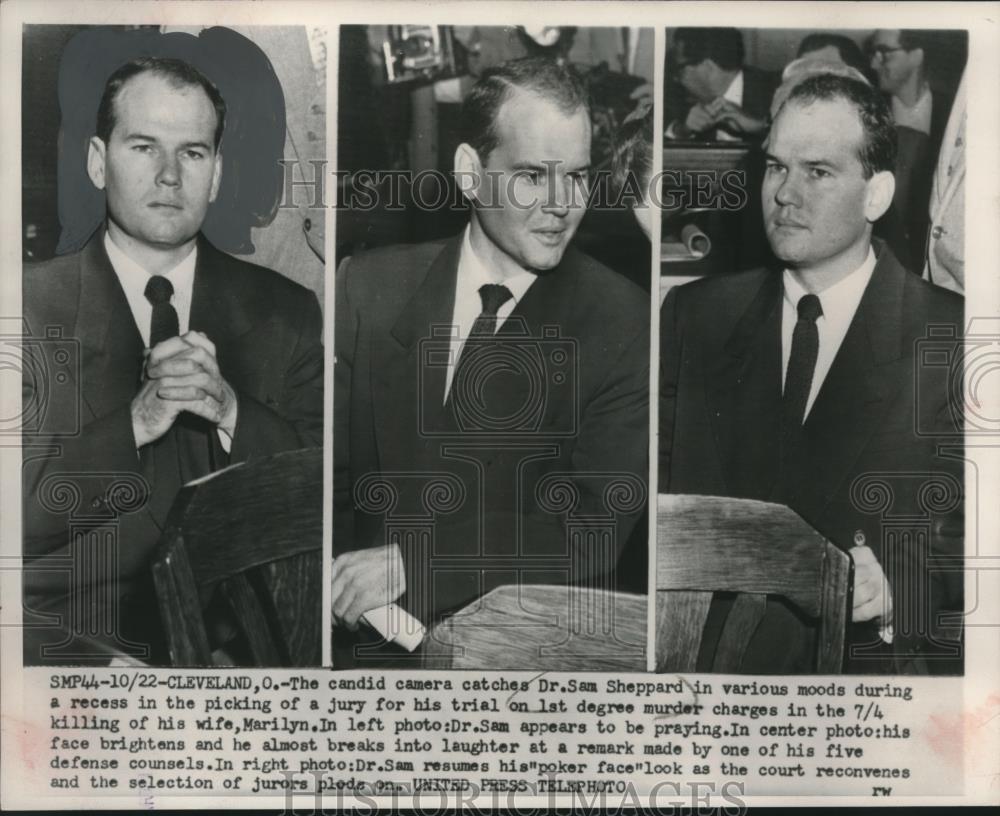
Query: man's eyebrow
[(541, 168), (806, 162), (544, 168), (142, 137)]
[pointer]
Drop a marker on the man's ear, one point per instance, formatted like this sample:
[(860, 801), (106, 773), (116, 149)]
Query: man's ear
[(95, 161), (468, 172), (880, 189), (216, 176)]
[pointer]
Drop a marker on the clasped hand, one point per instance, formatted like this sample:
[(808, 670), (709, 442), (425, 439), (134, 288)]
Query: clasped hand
[(720, 112), (182, 374)]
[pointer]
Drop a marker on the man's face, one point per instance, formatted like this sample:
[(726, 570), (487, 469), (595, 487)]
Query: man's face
[(815, 197), (159, 169), (696, 78), (535, 194), (892, 64)]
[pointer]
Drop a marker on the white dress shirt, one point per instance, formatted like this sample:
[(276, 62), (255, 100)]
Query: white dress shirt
[(734, 94), (133, 279), (472, 274), (839, 303), (916, 116)]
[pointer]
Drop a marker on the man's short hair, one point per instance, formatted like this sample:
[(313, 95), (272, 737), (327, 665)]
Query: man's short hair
[(176, 72), (724, 46), (556, 82), (850, 52), (878, 143), (928, 41)]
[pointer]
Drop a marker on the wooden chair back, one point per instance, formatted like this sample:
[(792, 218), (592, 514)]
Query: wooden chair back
[(543, 628), (708, 544), (254, 533)]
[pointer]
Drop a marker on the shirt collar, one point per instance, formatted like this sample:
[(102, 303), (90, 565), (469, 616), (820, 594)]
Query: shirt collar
[(473, 273), (839, 300), (734, 93), (133, 276)]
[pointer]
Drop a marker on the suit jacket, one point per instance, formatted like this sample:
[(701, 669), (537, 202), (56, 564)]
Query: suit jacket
[(488, 502), (871, 440), (916, 158), (267, 333)]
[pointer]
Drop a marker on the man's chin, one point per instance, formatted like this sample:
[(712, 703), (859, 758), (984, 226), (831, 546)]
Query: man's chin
[(544, 261), (169, 239), (785, 249)]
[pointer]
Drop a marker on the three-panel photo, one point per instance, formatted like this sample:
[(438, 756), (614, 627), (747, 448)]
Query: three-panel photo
[(548, 348)]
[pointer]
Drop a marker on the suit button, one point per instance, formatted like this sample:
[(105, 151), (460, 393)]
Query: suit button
[(316, 108), (937, 232), (307, 224), (312, 137), (859, 538)]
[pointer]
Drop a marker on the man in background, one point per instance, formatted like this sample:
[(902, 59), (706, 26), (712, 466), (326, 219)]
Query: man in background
[(902, 61), (728, 101), (189, 360)]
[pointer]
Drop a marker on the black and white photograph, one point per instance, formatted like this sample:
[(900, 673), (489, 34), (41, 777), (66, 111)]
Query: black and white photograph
[(491, 381), (499, 404), (173, 380), (810, 516)]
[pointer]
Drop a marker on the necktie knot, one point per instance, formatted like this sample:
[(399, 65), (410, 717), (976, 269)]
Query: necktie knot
[(164, 323), (159, 290), (810, 308), (493, 295)]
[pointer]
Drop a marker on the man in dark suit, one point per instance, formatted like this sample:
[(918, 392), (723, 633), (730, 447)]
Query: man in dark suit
[(179, 360), (722, 98), (798, 387), (902, 61), (490, 391)]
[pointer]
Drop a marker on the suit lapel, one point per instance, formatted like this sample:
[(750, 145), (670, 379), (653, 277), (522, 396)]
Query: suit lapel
[(540, 316), (220, 311), (856, 392), (409, 366), (110, 344), (744, 395)]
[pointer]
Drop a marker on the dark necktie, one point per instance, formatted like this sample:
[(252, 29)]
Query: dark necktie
[(186, 450), (493, 296), (801, 362), (164, 324), (798, 381)]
